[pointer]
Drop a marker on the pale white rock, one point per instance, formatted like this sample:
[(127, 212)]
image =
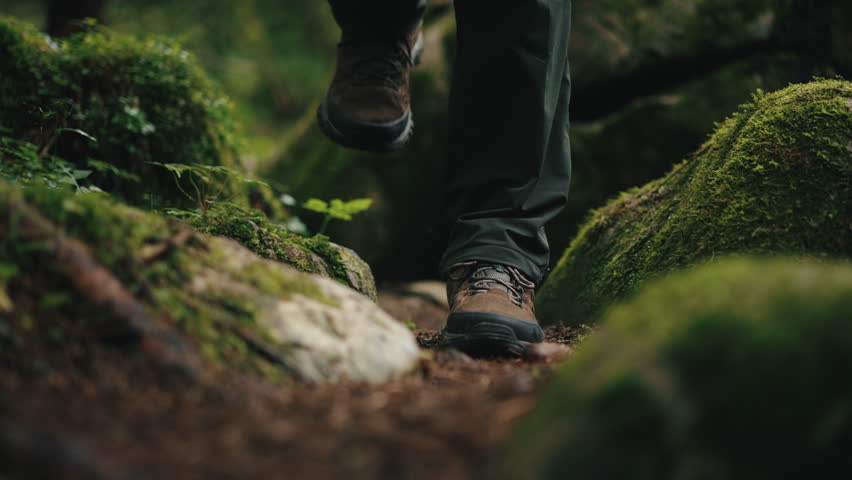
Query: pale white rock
[(333, 334), (353, 340)]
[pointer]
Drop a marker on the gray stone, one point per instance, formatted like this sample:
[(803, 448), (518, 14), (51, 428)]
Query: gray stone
[(358, 272), (324, 330)]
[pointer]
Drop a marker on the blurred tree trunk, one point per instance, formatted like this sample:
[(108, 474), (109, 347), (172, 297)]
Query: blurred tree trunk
[(64, 17)]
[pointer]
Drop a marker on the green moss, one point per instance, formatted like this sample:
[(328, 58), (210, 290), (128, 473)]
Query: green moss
[(774, 178), (120, 232), (320, 245), (222, 321), (270, 240), (358, 272), (735, 370), (113, 104)]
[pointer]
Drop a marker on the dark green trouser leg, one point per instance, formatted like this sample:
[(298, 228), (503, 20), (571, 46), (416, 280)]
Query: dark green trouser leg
[(509, 151), (508, 145), (377, 18)]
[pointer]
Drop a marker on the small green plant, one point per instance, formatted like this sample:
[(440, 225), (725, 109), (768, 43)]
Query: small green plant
[(205, 185), (337, 209), (23, 163)]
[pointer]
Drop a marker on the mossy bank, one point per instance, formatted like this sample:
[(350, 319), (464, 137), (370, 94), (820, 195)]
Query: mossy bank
[(774, 178), (734, 370), (240, 310), (111, 104)]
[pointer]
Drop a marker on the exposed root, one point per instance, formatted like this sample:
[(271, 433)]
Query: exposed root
[(156, 251), (97, 284)]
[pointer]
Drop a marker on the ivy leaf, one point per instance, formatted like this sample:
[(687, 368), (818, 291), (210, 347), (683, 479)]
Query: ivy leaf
[(338, 210), (316, 205), (358, 205), (339, 215)]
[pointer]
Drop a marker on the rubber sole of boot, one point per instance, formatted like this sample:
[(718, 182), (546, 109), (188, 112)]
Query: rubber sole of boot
[(372, 137), (489, 335), (375, 137)]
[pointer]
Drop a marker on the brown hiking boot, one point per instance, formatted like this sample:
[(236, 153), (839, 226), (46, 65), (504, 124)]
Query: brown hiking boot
[(368, 104), (491, 310)]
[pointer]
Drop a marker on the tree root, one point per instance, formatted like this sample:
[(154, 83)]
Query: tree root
[(155, 252), (138, 325)]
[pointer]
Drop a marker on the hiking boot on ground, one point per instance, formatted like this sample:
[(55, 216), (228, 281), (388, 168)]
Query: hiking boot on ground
[(491, 310), (368, 104)]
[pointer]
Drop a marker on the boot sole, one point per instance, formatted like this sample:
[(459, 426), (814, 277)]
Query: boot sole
[(375, 137), (489, 335), (367, 136)]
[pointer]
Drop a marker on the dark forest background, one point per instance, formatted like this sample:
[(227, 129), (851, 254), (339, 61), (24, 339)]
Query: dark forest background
[(651, 78)]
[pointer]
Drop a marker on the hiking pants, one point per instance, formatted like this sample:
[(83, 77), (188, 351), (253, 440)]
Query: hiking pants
[(509, 154)]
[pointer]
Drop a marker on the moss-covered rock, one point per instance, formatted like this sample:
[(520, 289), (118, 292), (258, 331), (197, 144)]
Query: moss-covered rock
[(734, 370), (774, 178), (241, 310), (112, 104), (269, 240)]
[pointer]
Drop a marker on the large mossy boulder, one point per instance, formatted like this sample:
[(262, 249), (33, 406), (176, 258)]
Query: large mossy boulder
[(79, 265), (774, 178), (736, 370), (112, 104)]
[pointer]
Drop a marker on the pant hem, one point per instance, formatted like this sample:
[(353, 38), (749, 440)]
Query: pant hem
[(494, 254)]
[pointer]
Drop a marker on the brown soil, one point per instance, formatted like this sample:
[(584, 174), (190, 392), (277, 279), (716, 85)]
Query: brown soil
[(423, 304), (114, 417)]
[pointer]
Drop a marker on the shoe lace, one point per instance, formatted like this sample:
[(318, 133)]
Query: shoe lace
[(485, 277), (379, 63)]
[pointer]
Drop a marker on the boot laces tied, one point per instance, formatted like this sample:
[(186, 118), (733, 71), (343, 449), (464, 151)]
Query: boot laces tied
[(379, 63), (509, 279)]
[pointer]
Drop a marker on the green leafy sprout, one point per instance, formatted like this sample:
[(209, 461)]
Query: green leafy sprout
[(337, 209)]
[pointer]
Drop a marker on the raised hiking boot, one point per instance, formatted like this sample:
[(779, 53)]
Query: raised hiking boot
[(368, 106), (491, 310)]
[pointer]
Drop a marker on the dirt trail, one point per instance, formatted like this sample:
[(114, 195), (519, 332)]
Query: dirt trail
[(116, 419)]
